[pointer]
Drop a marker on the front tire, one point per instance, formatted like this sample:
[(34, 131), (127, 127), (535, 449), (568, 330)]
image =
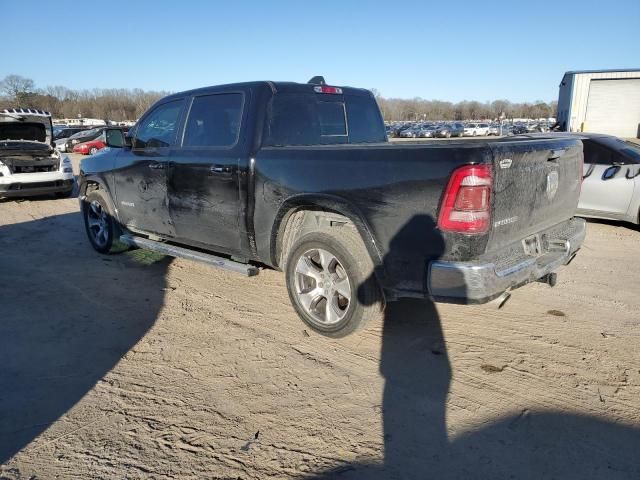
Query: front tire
[(330, 282), (100, 225)]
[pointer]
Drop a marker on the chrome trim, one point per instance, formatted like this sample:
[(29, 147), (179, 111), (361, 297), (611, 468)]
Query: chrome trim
[(480, 282)]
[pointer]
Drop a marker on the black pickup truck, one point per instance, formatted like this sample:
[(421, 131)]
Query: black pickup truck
[(300, 177)]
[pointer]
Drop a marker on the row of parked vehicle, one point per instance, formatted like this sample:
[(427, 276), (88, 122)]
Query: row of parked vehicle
[(84, 140), (461, 129)]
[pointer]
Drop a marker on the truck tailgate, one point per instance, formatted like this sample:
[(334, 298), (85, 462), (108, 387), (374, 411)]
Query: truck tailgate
[(536, 186)]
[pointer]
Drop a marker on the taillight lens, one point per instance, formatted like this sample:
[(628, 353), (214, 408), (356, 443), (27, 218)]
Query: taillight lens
[(466, 207)]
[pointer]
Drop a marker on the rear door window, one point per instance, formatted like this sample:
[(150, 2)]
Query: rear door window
[(214, 121)]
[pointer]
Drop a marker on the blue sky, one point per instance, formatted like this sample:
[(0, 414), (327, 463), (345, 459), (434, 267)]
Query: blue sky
[(447, 50)]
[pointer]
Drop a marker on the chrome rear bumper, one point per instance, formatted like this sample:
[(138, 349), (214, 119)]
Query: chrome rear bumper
[(482, 281)]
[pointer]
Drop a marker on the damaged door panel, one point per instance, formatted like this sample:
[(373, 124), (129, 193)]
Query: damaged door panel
[(141, 171), (203, 193)]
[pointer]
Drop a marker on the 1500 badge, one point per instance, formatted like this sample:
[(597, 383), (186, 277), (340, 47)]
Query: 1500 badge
[(506, 221)]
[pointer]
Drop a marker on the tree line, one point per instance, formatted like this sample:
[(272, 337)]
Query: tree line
[(399, 109), (120, 104), (115, 104)]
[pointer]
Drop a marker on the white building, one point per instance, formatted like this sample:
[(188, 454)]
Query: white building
[(601, 101)]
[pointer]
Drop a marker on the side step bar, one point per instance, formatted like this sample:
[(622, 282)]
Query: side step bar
[(173, 251)]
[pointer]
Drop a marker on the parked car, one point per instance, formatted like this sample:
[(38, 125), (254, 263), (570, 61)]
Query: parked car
[(494, 129), (82, 137), (457, 129), (353, 225), (482, 129), (66, 132), (397, 131), (470, 130), (91, 147), (519, 129), (61, 135), (29, 165), (412, 132), (611, 185), (443, 131), (427, 131)]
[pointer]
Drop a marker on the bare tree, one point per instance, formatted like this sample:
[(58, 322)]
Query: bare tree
[(124, 104), (15, 85)]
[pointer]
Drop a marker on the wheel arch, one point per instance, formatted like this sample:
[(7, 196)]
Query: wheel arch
[(92, 183), (329, 205)]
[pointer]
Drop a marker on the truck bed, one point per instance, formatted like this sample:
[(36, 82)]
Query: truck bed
[(387, 186)]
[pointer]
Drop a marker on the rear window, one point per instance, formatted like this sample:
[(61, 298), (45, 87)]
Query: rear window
[(320, 119), (23, 131)]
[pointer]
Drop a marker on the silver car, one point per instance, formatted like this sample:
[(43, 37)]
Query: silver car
[(611, 185)]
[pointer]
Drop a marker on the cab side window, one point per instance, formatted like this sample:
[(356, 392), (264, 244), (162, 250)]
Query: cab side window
[(596, 154), (159, 128), (214, 121)]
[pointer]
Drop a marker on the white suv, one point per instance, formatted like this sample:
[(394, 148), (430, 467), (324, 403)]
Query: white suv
[(29, 163), (482, 129)]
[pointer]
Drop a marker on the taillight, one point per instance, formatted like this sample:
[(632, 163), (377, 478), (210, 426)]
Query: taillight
[(466, 206), (327, 89)]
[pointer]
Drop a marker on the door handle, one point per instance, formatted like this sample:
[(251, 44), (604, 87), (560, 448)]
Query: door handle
[(219, 170), (158, 165)]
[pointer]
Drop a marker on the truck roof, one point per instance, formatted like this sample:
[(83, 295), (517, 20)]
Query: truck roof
[(282, 87)]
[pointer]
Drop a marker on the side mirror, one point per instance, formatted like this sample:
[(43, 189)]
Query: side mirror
[(114, 138)]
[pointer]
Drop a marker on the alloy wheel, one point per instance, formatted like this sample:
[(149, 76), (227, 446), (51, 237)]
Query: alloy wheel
[(322, 286), (98, 223)]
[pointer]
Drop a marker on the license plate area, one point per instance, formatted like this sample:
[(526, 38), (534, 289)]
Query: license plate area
[(532, 246)]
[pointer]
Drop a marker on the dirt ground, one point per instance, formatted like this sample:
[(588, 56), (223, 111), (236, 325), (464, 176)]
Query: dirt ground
[(140, 366)]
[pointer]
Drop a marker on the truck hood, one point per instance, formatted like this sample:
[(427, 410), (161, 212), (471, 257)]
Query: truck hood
[(25, 130)]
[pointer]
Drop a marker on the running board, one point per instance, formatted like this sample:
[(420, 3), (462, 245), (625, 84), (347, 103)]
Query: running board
[(173, 251)]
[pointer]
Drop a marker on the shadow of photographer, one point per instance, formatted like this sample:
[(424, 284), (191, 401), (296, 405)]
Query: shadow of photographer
[(416, 367)]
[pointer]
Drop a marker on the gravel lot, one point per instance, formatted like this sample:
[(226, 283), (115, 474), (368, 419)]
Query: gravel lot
[(140, 366)]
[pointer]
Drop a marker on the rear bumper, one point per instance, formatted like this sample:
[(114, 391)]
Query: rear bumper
[(484, 280)]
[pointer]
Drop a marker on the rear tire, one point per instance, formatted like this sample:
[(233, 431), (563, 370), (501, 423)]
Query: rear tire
[(330, 282), (102, 229)]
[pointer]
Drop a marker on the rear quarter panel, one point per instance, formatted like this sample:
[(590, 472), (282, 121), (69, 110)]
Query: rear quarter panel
[(394, 192)]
